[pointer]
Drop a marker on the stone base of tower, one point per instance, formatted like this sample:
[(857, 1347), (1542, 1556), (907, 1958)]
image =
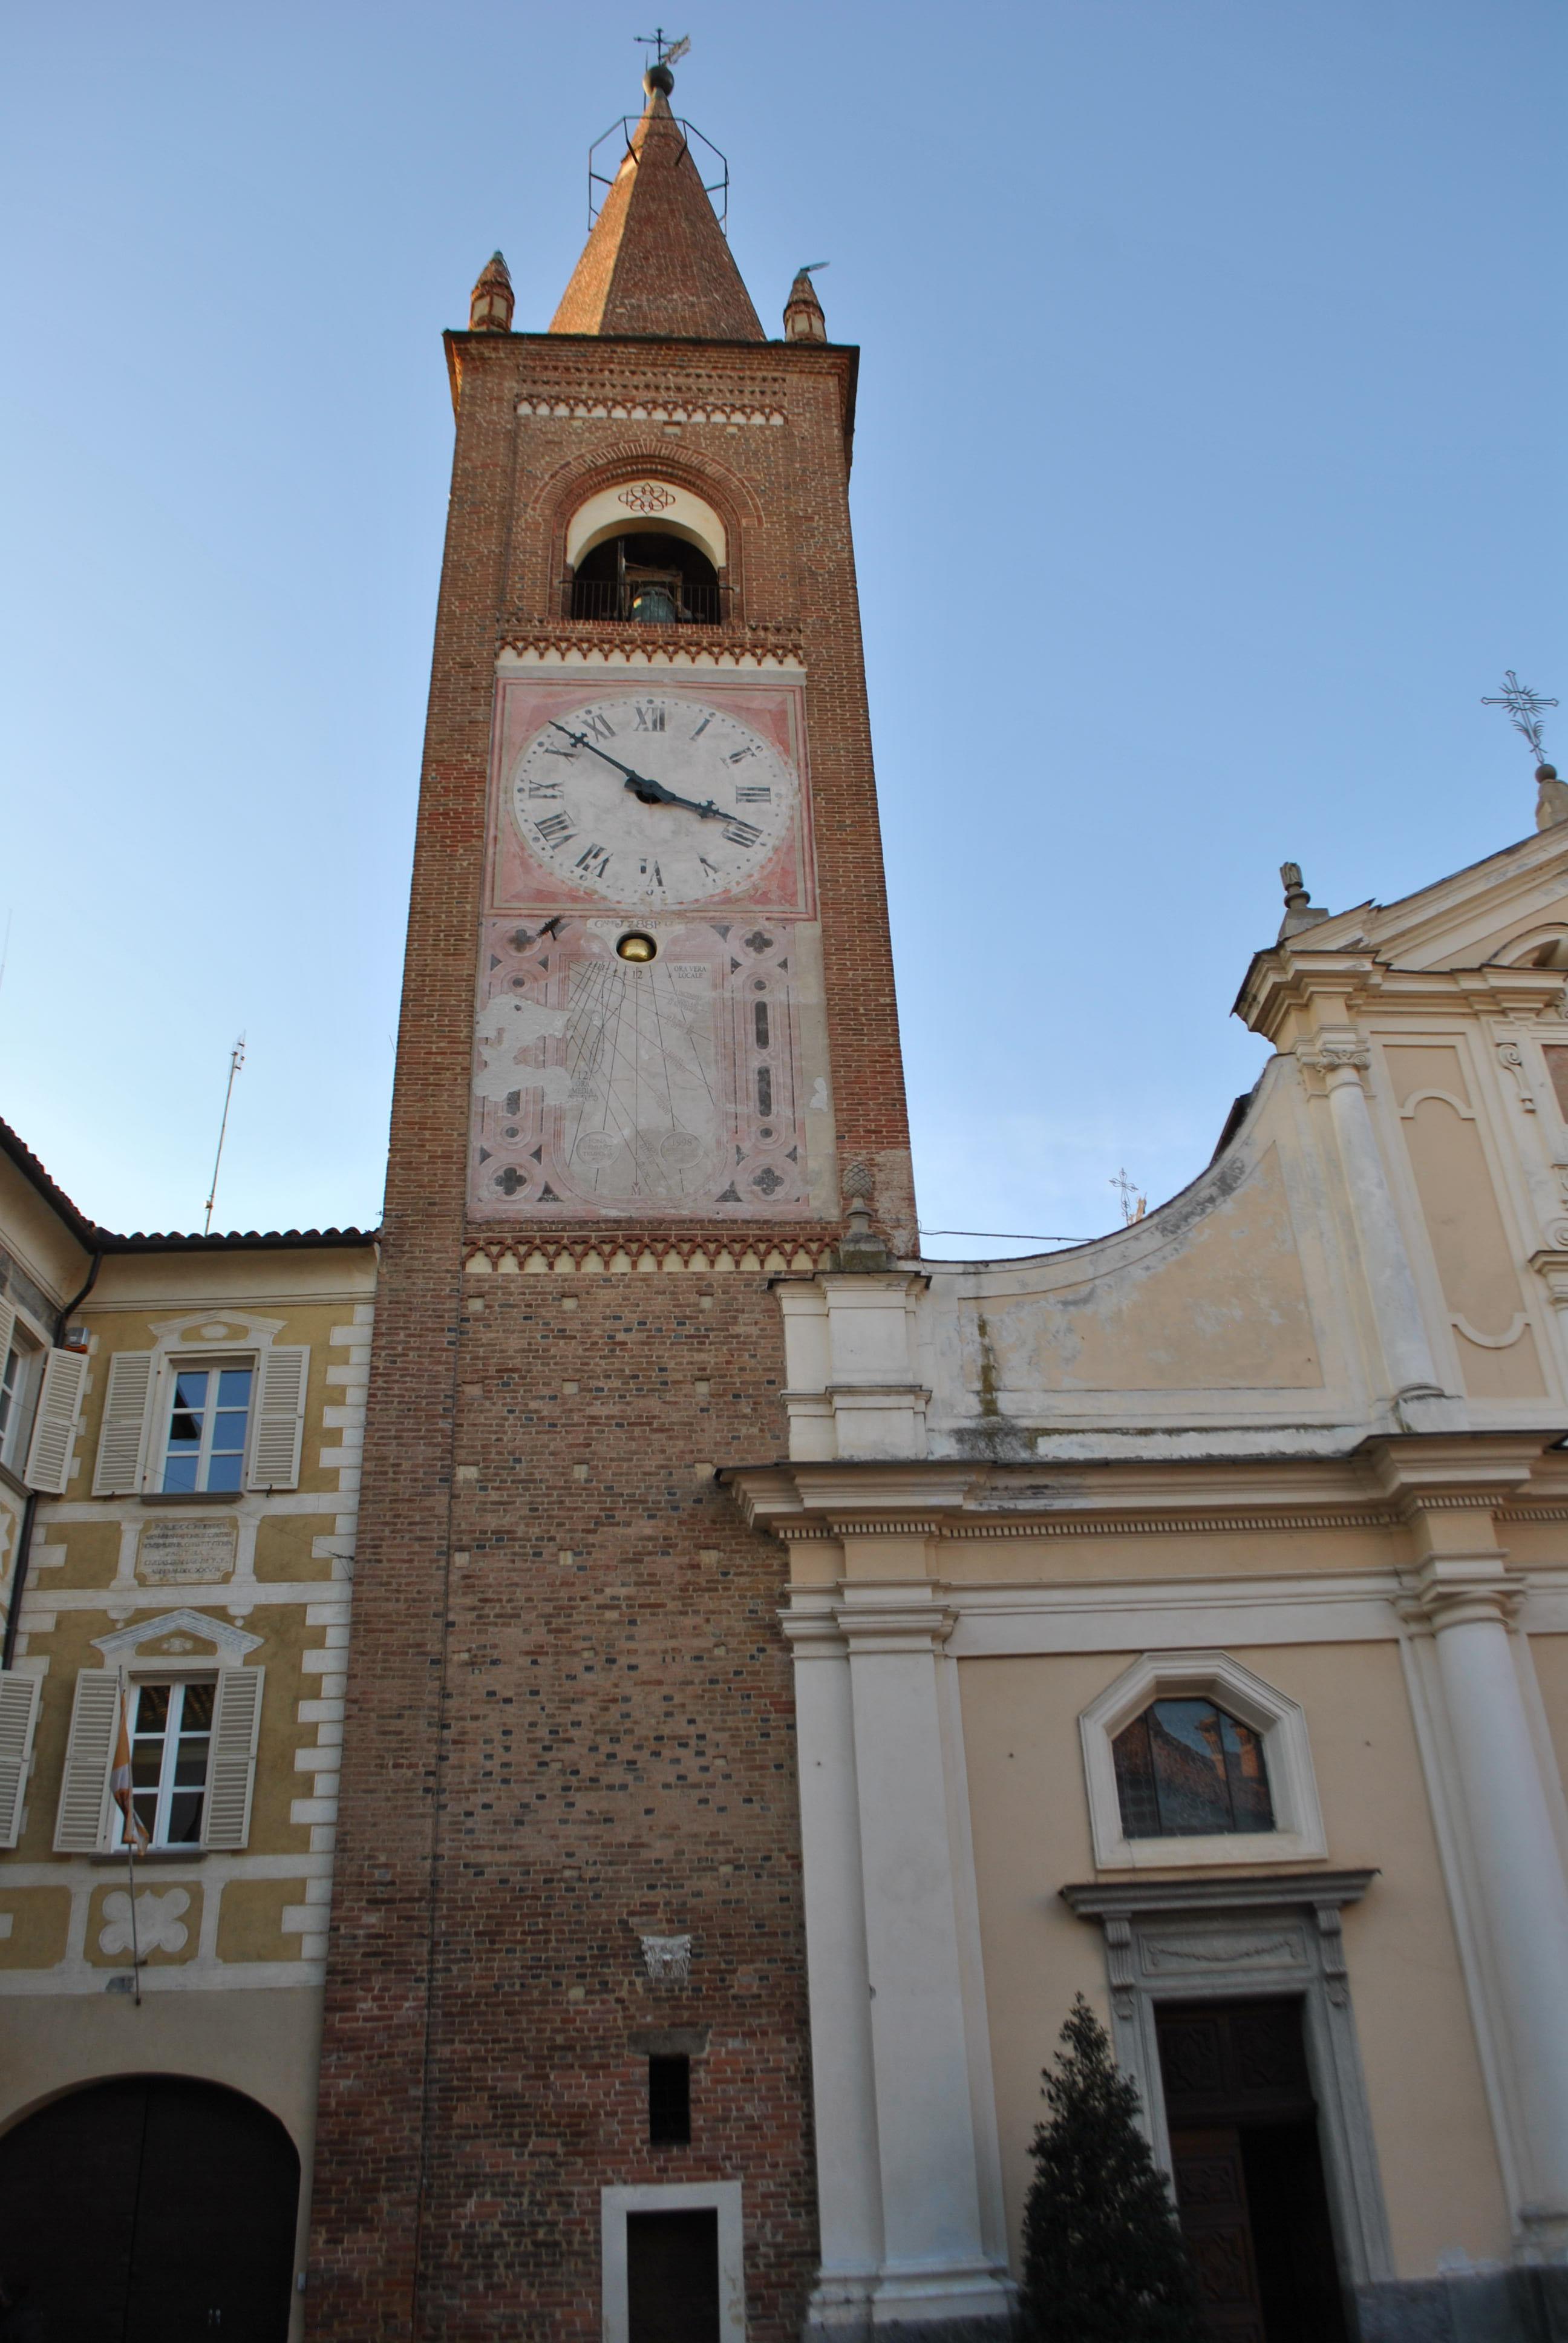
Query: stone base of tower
[(1504, 2306), (971, 2303)]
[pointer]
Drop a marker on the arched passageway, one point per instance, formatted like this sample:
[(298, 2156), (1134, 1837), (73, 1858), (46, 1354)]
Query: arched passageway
[(150, 2209)]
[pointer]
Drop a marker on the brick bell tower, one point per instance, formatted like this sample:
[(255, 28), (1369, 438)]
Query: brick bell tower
[(649, 1046)]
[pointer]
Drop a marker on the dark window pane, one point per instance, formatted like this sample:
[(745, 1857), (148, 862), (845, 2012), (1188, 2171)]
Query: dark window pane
[(1186, 1768), (185, 1818), (1189, 1768), (1248, 1776), (1135, 1781), (196, 1714), (153, 1708)]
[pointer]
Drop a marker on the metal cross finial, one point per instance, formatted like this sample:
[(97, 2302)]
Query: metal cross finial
[(1524, 708), (1132, 1203), (655, 41)]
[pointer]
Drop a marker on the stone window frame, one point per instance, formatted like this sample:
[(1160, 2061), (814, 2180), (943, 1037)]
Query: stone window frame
[(1269, 1936), (1297, 1836), (722, 2197)]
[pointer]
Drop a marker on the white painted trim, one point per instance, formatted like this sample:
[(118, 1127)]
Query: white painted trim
[(605, 515), (230, 1644), (722, 2197), (1203, 1675)]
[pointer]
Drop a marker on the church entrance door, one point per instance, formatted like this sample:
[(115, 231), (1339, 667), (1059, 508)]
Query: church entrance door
[(151, 2209), (1248, 2170)]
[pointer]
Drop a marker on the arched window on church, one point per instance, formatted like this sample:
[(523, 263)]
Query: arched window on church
[(1186, 1769), (648, 579)]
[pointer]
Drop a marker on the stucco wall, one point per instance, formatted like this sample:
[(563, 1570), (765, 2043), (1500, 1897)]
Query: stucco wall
[(1031, 1828)]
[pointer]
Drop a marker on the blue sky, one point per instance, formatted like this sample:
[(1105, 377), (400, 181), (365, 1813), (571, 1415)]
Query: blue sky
[(1208, 471)]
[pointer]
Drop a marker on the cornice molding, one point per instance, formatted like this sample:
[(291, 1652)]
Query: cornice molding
[(1385, 1485), (1133, 1899)]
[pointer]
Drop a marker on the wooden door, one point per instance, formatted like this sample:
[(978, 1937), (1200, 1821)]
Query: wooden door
[(151, 2209), (672, 2276), (1248, 2170), (1211, 2200)]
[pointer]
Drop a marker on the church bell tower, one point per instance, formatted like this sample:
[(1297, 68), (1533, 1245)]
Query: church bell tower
[(648, 1058)]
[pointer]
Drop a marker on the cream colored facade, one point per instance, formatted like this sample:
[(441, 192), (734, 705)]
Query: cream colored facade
[(249, 1589), (1289, 1443)]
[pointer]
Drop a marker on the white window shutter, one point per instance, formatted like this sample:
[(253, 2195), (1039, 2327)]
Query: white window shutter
[(118, 1470), (231, 1771), (18, 1716), (7, 1328), (280, 1417), (53, 1427), (81, 1826)]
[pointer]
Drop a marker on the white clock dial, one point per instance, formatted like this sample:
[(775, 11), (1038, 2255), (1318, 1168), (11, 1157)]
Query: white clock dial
[(652, 799)]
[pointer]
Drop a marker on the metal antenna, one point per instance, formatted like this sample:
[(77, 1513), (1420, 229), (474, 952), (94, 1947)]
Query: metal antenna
[(236, 1060), (662, 54), (1525, 710)]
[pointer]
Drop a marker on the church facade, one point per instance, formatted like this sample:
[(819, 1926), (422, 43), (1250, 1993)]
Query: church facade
[(783, 1672)]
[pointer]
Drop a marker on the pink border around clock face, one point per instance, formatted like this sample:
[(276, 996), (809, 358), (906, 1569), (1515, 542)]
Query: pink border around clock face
[(517, 877)]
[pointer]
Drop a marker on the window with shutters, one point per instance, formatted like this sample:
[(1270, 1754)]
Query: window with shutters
[(18, 1718), (208, 1423), (193, 1758), (20, 1373), (171, 1750)]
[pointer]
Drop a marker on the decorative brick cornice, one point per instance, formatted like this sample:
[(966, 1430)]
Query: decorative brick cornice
[(599, 1251), (667, 408), (610, 643)]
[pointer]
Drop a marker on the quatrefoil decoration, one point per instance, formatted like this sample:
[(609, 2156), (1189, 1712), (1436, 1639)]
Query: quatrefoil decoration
[(646, 497)]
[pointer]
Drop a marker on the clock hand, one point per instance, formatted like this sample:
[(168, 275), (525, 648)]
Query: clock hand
[(634, 781), (657, 794), (646, 792)]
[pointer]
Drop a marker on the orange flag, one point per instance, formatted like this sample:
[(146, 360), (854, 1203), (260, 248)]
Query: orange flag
[(120, 1778)]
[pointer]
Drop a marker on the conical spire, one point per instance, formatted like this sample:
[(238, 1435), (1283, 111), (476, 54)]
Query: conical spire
[(803, 319), (656, 261), (490, 302)]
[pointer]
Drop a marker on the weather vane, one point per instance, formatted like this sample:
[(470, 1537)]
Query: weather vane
[(655, 41), (1525, 710)]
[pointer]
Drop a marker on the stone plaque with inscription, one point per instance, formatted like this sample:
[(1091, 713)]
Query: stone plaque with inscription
[(184, 1554)]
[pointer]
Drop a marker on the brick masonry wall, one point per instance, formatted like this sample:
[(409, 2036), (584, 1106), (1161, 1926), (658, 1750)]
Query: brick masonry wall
[(546, 1758)]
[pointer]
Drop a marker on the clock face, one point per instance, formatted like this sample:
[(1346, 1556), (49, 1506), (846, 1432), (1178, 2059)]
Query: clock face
[(647, 801)]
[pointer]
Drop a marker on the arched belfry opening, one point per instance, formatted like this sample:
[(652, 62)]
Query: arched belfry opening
[(647, 552), (647, 577)]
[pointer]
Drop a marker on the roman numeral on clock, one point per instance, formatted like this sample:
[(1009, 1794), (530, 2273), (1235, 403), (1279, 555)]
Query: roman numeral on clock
[(595, 860), (703, 726), (599, 726), (549, 789), (738, 756), (741, 833), (650, 716), (754, 793), (555, 828)]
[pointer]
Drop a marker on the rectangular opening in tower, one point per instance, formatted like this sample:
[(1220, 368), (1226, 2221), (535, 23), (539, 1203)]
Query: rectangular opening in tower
[(670, 2102)]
